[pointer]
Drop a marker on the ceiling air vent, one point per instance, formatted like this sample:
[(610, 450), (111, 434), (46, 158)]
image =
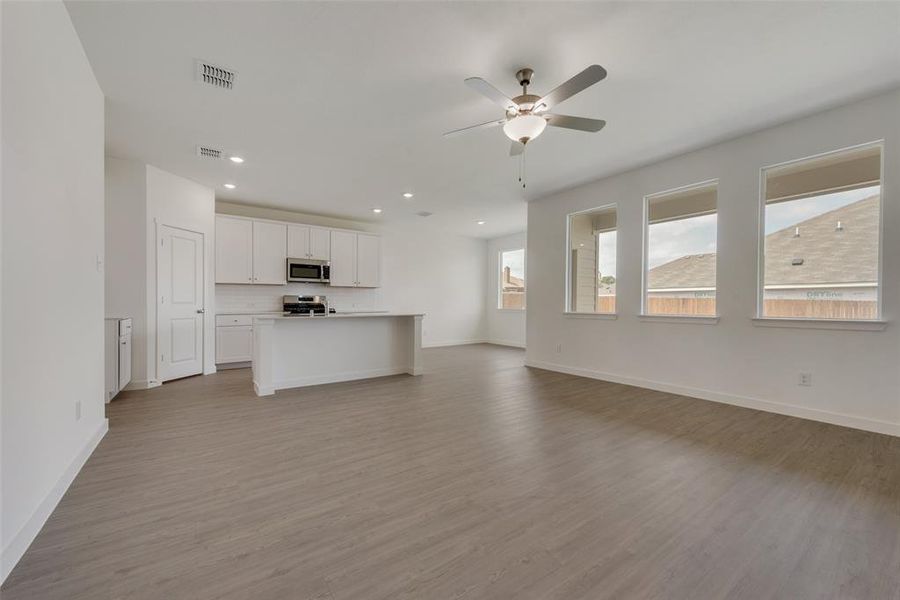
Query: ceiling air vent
[(215, 75), (207, 152), (424, 213)]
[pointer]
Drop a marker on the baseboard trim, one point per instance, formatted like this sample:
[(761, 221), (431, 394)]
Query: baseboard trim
[(142, 384), (333, 378), (509, 343), (19, 544), (453, 343), (811, 414)]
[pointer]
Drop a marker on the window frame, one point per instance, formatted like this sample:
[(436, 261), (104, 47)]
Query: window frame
[(645, 251), (816, 322), (499, 305), (567, 297)]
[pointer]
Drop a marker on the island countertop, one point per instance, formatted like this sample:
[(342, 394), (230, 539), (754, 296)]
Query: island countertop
[(346, 315)]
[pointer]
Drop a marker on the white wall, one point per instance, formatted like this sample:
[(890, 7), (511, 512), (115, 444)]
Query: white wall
[(52, 313), (423, 270), (126, 252), (506, 327), (856, 380), (139, 198)]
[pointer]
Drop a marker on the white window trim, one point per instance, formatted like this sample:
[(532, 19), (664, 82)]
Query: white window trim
[(694, 319), (567, 297), (840, 324), (876, 324), (497, 305), (587, 315), (644, 315)]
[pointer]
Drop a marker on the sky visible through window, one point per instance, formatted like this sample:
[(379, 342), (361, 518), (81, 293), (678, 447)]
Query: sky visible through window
[(674, 239), (515, 260), (606, 264), (787, 214)]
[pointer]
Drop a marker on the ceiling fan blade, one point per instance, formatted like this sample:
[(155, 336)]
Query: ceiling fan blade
[(563, 91), (579, 123), (486, 125), (516, 148), (491, 93)]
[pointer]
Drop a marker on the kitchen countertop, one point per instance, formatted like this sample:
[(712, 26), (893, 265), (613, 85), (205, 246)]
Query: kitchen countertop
[(342, 315), (281, 312)]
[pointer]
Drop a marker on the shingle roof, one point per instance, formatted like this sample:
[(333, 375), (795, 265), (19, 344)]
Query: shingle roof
[(830, 256)]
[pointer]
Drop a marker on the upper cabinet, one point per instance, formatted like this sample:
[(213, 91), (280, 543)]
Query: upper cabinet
[(355, 259), (269, 253), (256, 251), (305, 241), (234, 250)]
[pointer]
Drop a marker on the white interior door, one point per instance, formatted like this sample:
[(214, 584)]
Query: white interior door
[(180, 302)]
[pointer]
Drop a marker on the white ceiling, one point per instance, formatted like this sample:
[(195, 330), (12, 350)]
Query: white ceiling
[(340, 107)]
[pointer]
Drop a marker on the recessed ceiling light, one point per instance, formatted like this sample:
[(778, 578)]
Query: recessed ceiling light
[(230, 186), (407, 194), (237, 159), (376, 210), (480, 222)]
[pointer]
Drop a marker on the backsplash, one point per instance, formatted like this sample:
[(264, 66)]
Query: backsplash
[(267, 298)]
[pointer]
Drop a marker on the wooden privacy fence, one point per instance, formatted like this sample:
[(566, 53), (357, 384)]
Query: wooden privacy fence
[(812, 309)]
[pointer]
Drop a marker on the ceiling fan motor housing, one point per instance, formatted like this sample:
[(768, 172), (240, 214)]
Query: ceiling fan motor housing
[(523, 76)]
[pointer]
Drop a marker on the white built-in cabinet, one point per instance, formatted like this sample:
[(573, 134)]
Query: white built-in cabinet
[(256, 251), (269, 253), (234, 338), (305, 241), (234, 250), (355, 259)]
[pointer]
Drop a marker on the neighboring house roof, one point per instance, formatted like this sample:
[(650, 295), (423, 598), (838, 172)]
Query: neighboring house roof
[(830, 255), (513, 282)]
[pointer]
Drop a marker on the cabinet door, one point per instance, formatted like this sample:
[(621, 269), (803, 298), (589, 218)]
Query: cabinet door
[(269, 253), (343, 259), (124, 361), (297, 241), (234, 344), (319, 243), (368, 260), (234, 250)]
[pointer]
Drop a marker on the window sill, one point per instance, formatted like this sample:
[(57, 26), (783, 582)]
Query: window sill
[(512, 310), (679, 319), (846, 325), (585, 315)]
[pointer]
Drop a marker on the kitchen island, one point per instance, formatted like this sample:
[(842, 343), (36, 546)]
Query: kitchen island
[(297, 351)]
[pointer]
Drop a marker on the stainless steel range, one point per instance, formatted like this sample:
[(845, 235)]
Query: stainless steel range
[(305, 306)]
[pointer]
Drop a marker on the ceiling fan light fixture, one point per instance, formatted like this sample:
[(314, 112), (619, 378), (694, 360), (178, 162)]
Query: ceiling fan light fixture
[(524, 128)]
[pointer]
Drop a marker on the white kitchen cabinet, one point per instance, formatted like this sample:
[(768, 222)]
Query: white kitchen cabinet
[(298, 241), (355, 259), (319, 243), (343, 259), (368, 260), (234, 344), (234, 250), (305, 241), (269, 253)]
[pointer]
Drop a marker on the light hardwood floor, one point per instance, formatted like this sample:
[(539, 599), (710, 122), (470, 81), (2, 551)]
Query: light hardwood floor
[(480, 479)]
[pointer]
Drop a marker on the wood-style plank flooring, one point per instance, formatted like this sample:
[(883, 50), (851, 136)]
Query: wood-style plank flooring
[(481, 479)]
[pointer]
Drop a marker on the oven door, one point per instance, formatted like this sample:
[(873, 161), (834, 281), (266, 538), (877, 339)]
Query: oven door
[(304, 271)]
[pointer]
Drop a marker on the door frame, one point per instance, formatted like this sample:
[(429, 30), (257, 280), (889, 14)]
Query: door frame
[(203, 321)]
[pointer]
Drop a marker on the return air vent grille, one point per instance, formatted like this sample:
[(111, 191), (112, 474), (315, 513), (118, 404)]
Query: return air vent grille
[(215, 75), (207, 152)]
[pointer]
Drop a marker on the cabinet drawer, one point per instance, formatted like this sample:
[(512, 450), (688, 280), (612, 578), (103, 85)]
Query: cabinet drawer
[(233, 320)]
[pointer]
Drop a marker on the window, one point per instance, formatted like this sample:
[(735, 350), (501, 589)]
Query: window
[(592, 261), (821, 224), (680, 256), (512, 279)]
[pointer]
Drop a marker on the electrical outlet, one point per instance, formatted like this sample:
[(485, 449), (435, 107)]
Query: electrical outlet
[(78, 410), (805, 379)]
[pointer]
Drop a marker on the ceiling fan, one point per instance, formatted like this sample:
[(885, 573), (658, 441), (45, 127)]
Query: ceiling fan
[(527, 114)]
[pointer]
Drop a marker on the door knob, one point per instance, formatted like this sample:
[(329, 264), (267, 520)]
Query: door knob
[(201, 310)]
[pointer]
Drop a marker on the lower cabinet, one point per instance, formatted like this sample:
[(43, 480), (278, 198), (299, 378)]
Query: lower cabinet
[(234, 339)]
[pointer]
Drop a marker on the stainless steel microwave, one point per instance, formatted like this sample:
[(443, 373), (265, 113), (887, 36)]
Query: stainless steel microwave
[(308, 270)]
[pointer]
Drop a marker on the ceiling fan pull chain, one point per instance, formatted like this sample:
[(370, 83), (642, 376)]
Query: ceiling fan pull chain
[(522, 176)]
